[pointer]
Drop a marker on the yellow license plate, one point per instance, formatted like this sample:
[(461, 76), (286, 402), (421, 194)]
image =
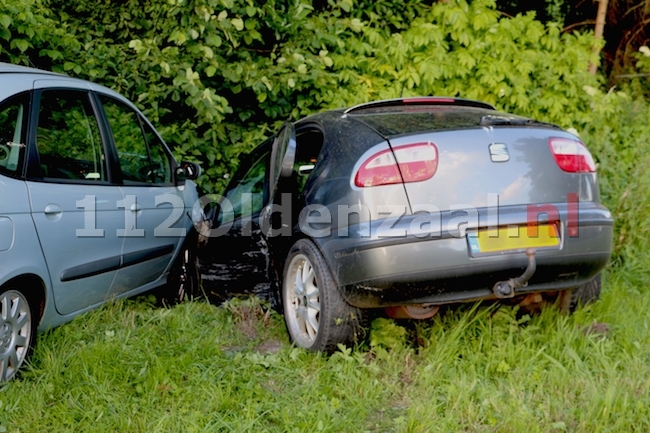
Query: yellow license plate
[(513, 238)]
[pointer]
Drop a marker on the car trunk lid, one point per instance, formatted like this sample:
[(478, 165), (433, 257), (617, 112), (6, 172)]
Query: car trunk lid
[(477, 167)]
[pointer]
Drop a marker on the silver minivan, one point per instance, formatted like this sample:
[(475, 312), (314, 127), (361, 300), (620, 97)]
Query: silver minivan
[(94, 207)]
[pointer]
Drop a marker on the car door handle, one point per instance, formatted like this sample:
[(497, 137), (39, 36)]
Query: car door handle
[(135, 207), (52, 209)]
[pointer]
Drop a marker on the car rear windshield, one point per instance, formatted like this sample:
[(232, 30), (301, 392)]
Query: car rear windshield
[(417, 119)]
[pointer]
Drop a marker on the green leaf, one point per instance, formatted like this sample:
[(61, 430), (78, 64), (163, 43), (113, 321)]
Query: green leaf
[(238, 23), (208, 52), (21, 44), (5, 20), (356, 25), (213, 40), (178, 36)]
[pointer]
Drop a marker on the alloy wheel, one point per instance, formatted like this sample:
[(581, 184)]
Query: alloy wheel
[(302, 301), (15, 332)]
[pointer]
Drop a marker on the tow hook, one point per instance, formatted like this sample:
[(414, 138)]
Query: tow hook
[(506, 289)]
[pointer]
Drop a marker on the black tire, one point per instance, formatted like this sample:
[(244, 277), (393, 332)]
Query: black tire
[(316, 315), (571, 299), (184, 281), (18, 321)]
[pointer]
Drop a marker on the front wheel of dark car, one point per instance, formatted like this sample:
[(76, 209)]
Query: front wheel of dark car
[(17, 331), (316, 315), (571, 299)]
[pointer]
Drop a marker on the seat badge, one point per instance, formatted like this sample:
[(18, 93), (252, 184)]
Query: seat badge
[(499, 152)]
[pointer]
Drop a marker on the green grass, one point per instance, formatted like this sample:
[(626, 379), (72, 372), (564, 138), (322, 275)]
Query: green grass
[(133, 367)]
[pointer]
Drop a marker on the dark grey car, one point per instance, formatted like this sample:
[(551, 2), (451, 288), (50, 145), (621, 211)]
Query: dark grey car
[(406, 205)]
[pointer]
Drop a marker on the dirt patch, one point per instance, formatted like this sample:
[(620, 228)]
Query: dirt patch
[(269, 347), (247, 327), (596, 328), (247, 315)]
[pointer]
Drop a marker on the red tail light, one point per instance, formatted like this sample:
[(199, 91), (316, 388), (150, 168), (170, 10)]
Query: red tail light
[(410, 163), (572, 156)]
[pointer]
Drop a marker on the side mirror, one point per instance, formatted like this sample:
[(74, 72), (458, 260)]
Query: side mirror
[(192, 170), (187, 170)]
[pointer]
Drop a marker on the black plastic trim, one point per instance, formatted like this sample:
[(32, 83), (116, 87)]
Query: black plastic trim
[(91, 269), (143, 256), (113, 263)]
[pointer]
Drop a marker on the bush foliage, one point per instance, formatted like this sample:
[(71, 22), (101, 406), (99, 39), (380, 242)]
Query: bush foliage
[(217, 76)]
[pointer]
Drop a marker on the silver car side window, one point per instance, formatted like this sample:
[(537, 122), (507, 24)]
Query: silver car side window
[(68, 138), (13, 125), (142, 155), (130, 141), (161, 169)]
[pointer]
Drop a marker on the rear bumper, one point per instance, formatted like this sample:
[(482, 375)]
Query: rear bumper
[(377, 271)]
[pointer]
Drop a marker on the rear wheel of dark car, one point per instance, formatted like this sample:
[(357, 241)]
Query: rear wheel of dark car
[(17, 331), (317, 316), (571, 299), (184, 280)]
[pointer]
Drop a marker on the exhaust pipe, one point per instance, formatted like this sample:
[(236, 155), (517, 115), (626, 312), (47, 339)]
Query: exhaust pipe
[(506, 289)]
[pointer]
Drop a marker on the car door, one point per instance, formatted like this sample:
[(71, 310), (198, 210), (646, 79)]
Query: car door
[(234, 258), (237, 257), (153, 206), (73, 198)]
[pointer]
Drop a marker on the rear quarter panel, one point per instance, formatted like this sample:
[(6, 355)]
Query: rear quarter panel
[(347, 143), (20, 249), (330, 186)]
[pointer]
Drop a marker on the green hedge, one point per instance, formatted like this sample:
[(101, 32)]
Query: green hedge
[(216, 76)]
